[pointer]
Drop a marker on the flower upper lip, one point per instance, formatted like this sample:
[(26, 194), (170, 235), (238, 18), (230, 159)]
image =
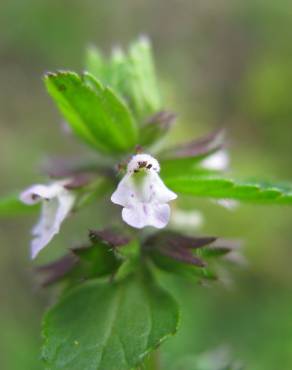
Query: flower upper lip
[(143, 161)]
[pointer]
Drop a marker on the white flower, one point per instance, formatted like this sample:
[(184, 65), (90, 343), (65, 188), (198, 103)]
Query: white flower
[(186, 220), (57, 202), (143, 194), (218, 161), (230, 204)]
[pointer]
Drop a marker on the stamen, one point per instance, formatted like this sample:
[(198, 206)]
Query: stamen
[(142, 164)]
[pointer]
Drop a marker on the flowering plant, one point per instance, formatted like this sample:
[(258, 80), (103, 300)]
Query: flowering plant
[(114, 309)]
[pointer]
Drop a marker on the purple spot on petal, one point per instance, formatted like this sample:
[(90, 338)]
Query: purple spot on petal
[(145, 209), (162, 217)]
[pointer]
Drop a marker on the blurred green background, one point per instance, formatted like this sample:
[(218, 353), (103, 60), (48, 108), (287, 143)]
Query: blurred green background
[(220, 62)]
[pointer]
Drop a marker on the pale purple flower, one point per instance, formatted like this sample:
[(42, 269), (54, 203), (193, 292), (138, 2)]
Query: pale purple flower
[(57, 202), (218, 161), (230, 204), (186, 220), (143, 195)]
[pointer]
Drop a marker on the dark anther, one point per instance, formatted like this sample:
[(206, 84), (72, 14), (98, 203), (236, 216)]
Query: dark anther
[(136, 171), (149, 166), (142, 164)]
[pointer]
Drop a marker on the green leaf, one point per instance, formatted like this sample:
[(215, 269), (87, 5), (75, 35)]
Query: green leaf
[(129, 255), (187, 271), (96, 260), (94, 112), (10, 205), (112, 72), (181, 166), (142, 82), (213, 252), (128, 267), (119, 72), (96, 64), (225, 188), (108, 326), (131, 75), (129, 251)]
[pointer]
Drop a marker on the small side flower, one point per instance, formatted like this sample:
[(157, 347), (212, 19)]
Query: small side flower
[(218, 161), (57, 202), (143, 194)]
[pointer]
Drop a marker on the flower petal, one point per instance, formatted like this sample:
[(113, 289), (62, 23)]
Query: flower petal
[(186, 220), (134, 216), (160, 216), (57, 203), (218, 161), (143, 194), (48, 212), (44, 230), (140, 215), (38, 192), (160, 192), (66, 202), (230, 204), (124, 192)]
